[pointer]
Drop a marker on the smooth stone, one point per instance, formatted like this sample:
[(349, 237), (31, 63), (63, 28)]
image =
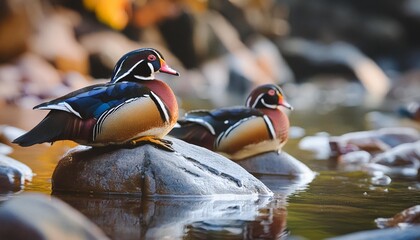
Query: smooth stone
[(279, 163), (38, 216), (409, 216), (10, 179), (25, 171), (383, 234), (148, 171)]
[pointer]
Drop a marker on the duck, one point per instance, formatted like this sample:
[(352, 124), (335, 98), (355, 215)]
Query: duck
[(242, 131), (132, 109)]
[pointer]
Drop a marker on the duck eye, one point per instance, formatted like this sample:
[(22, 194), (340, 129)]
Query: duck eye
[(151, 57), (271, 92)]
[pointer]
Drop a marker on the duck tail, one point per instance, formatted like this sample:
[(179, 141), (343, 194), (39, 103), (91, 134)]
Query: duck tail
[(50, 129)]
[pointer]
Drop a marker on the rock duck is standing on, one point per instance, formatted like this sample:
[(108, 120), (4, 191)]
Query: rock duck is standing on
[(133, 108)]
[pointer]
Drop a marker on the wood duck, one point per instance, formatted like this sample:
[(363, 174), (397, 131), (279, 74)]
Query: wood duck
[(133, 108), (239, 132)]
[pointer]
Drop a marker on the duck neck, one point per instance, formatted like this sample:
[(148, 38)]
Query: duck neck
[(166, 94), (279, 120)]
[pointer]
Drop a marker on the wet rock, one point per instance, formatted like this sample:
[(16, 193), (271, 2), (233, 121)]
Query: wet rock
[(10, 179), (411, 111), (383, 180), (5, 149), (23, 169), (357, 157), (148, 171), (279, 163), (13, 174), (374, 141), (407, 217), (9, 133), (401, 160), (36, 216), (383, 234), (318, 144)]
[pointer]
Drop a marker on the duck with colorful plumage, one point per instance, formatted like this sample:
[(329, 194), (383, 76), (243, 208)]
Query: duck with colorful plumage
[(133, 108), (240, 132)]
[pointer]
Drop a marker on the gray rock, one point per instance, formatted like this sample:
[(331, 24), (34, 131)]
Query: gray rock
[(279, 163), (10, 179), (149, 171), (13, 174), (384, 234), (36, 216)]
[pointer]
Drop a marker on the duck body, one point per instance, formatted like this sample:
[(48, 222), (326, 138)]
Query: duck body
[(238, 132), (125, 109)]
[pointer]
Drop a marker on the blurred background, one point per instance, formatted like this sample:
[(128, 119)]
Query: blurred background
[(325, 53)]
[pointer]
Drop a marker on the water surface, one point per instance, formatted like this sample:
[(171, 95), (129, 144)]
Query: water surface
[(334, 203)]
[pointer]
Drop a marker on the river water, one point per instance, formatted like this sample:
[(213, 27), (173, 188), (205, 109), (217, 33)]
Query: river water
[(336, 202)]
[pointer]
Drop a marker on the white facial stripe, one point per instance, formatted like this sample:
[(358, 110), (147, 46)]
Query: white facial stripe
[(151, 77), (270, 126), (161, 106), (152, 69), (257, 100), (129, 71), (119, 68), (269, 105)]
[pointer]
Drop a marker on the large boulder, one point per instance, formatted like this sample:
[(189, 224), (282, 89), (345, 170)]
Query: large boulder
[(148, 171)]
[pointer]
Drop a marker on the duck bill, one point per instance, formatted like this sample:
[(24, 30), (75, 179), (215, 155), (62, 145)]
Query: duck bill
[(285, 104), (164, 68)]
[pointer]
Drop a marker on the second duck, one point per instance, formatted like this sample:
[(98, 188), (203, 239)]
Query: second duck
[(240, 132)]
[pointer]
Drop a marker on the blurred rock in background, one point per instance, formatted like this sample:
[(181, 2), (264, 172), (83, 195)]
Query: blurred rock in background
[(222, 48)]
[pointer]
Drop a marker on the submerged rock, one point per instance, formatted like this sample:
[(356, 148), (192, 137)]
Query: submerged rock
[(148, 171), (25, 171), (35, 216), (383, 234), (407, 217), (374, 141), (403, 160), (10, 179), (13, 174)]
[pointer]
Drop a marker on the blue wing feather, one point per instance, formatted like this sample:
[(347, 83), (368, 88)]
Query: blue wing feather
[(97, 100), (220, 119)]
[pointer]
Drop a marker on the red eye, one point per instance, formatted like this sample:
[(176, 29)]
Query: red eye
[(151, 57), (271, 92)]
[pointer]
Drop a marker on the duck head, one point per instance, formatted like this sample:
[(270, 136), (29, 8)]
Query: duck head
[(267, 96), (140, 64)]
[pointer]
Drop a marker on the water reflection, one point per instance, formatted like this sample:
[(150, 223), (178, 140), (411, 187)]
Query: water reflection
[(128, 217), (135, 218)]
